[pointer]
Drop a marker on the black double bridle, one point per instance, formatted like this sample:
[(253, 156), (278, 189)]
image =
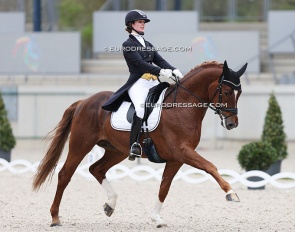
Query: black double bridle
[(218, 110)]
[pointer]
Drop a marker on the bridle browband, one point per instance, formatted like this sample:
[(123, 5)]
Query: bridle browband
[(218, 110)]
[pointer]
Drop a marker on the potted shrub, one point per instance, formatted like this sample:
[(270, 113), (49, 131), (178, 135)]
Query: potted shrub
[(256, 156), (7, 139), (273, 133)]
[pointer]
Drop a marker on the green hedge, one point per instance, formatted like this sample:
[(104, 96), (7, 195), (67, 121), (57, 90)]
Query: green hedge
[(257, 156), (7, 139)]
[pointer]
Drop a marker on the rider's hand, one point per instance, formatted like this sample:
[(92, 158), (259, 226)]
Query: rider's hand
[(177, 73), (165, 73)]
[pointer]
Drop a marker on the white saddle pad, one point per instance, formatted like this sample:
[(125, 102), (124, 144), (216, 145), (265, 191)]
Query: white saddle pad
[(119, 119)]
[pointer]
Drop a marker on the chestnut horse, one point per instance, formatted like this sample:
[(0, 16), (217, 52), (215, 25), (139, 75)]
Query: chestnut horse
[(176, 137)]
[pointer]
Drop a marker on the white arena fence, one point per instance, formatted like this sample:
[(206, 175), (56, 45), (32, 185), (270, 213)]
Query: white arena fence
[(283, 180)]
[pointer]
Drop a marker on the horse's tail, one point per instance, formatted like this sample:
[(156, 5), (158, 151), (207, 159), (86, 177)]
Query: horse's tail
[(48, 163)]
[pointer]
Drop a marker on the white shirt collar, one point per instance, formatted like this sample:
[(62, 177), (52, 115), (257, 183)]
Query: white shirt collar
[(136, 34), (139, 38)]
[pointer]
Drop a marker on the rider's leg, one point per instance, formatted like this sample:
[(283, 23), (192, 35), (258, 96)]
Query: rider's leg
[(138, 93), (135, 148)]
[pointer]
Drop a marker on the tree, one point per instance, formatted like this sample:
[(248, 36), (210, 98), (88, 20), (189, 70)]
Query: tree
[(7, 139), (273, 129)]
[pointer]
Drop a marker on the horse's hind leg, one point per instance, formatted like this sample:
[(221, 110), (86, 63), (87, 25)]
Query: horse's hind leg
[(74, 158), (99, 169)]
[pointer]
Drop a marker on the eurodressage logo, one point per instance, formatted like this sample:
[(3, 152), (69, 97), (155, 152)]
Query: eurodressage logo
[(185, 105), (205, 48), (149, 49), (27, 48)]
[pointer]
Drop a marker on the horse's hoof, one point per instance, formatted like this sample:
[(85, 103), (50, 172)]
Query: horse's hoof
[(108, 210), (55, 224), (131, 158), (161, 225), (232, 197)]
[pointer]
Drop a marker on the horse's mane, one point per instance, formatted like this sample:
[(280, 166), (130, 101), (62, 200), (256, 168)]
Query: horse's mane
[(195, 70), (209, 63), (203, 65)]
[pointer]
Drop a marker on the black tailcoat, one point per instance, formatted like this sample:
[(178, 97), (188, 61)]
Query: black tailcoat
[(139, 60)]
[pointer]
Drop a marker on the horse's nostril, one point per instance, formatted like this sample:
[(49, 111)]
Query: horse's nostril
[(230, 126)]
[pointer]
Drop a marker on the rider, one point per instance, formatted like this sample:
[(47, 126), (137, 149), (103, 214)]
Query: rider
[(139, 56)]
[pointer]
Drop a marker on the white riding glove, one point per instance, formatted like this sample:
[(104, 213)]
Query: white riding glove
[(177, 73), (165, 73)]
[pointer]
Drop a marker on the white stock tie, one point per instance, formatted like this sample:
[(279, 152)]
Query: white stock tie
[(139, 38)]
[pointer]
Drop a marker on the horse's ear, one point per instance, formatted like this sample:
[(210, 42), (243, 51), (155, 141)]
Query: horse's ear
[(226, 71), (242, 70)]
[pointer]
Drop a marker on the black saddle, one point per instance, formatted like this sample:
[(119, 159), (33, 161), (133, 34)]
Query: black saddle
[(150, 102)]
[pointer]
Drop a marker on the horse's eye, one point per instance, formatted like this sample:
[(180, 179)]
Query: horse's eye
[(227, 93)]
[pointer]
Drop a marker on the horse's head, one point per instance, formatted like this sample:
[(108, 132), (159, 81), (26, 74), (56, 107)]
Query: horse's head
[(225, 95)]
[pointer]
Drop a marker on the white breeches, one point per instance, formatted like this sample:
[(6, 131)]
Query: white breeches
[(138, 93)]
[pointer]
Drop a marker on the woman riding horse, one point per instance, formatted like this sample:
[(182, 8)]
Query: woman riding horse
[(139, 55), (85, 124)]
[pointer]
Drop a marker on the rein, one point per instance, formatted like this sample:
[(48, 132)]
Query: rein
[(218, 110)]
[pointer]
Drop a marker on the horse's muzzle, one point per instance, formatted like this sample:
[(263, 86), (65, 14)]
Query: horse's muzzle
[(230, 124)]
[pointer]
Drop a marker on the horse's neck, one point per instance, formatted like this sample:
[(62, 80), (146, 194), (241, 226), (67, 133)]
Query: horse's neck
[(191, 115), (198, 86), (199, 82)]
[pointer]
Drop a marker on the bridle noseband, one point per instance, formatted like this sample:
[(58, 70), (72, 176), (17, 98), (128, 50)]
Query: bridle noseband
[(217, 109)]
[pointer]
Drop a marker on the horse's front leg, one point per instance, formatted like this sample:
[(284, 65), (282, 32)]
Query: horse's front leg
[(169, 172), (194, 159)]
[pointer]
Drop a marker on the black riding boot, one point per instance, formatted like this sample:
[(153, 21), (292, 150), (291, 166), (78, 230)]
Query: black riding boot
[(135, 148)]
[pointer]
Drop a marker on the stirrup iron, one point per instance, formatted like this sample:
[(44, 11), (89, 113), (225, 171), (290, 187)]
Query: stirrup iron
[(135, 151)]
